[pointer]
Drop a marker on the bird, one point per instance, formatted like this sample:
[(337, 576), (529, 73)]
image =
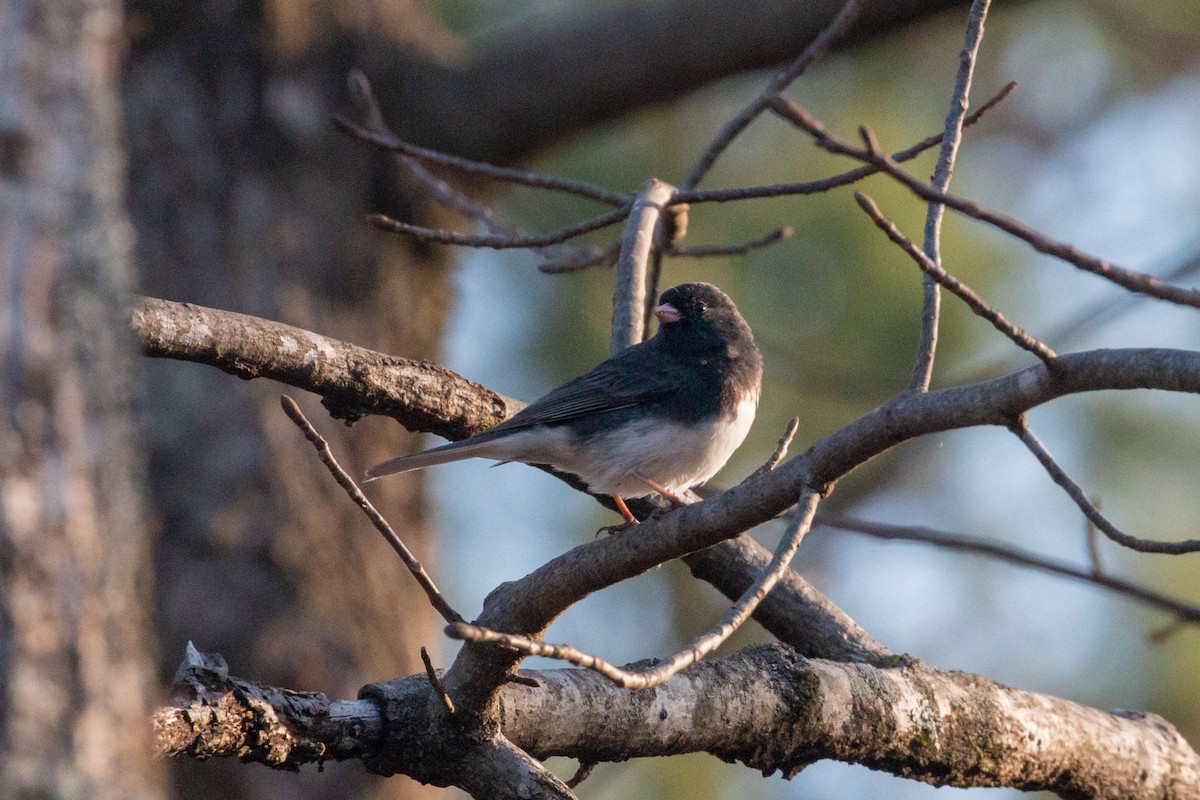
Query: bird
[(660, 417)]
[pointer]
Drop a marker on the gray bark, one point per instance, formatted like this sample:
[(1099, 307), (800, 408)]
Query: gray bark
[(76, 676)]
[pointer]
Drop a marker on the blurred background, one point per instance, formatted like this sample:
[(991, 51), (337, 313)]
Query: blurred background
[(241, 198)]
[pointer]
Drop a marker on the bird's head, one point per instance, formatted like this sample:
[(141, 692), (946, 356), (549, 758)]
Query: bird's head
[(697, 318)]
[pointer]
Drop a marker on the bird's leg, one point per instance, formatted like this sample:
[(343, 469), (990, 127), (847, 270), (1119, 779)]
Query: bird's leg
[(630, 519), (675, 500)]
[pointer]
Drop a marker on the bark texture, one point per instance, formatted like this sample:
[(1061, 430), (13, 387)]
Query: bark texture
[(245, 198), (766, 707), (76, 680)]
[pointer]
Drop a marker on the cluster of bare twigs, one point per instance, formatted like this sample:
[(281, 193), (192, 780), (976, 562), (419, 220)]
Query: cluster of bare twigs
[(647, 241), (517, 614)]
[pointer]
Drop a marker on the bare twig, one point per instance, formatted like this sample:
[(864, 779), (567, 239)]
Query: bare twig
[(777, 235), (1182, 611), (781, 449), (435, 682), (638, 244), (1091, 537), (1130, 279), (524, 680), (584, 257), (780, 106), (840, 24), (1073, 490), (931, 305), (494, 241), (695, 651), (346, 482), (581, 774), (535, 180), (1018, 336)]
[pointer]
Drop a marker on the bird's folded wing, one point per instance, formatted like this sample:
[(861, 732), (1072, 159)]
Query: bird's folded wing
[(636, 376)]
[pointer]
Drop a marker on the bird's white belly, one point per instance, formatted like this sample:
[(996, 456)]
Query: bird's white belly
[(676, 456)]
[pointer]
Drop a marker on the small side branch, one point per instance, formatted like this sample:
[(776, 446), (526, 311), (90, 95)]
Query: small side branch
[(951, 139), (780, 106), (699, 647), (392, 143), (638, 245), (777, 235), (817, 48), (1122, 276), (347, 483), (1183, 612), (935, 272), (1076, 493), (503, 241)]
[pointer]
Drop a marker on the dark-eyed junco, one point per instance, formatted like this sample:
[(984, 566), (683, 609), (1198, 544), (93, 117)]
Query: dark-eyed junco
[(661, 416)]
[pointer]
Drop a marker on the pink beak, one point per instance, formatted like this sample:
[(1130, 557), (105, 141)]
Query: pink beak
[(666, 313)]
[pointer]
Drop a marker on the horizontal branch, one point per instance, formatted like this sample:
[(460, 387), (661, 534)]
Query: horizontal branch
[(351, 380), (765, 707), (499, 241)]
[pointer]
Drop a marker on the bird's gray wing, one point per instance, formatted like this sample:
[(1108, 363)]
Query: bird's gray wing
[(635, 376)]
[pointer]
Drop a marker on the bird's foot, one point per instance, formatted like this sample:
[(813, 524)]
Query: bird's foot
[(611, 529)]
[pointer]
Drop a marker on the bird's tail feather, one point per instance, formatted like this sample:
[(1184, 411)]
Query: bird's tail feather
[(455, 451)]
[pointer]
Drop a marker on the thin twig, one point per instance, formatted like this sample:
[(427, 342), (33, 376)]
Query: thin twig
[(581, 774), (931, 304), (584, 258), (435, 682), (781, 449), (346, 482), (1059, 476), (523, 680), (362, 93), (695, 651), (1018, 336), (498, 242), (535, 180), (1130, 279), (739, 123), (780, 105), (1091, 537), (638, 244), (777, 235), (1182, 611)]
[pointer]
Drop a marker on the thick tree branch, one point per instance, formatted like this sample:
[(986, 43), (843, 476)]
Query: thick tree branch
[(765, 707), (352, 381)]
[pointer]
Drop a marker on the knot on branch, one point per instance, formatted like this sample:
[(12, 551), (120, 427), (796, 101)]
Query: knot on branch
[(216, 715)]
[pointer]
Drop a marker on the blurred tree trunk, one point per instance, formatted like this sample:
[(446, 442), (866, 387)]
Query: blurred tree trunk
[(75, 653), (245, 199)]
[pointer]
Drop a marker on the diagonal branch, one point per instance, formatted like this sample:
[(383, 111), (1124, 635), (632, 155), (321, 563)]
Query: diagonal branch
[(935, 271), (1132, 280), (1076, 493), (815, 50), (436, 599), (1001, 551), (699, 647)]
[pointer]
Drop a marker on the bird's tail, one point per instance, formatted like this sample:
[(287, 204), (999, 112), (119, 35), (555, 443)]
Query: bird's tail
[(455, 451)]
